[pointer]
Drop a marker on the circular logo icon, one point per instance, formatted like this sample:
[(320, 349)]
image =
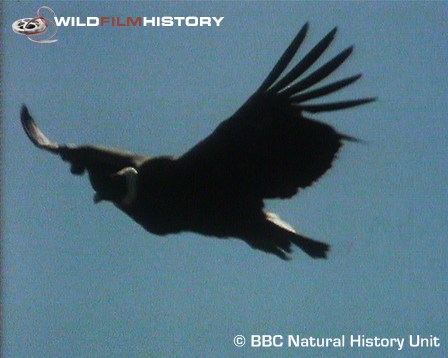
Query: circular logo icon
[(239, 340), (29, 26), (36, 26)]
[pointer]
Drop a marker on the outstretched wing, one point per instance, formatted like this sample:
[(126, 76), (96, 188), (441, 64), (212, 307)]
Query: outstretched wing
[(268, 145), (81, 158)]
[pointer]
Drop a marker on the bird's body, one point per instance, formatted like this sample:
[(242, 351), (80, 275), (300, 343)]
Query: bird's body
[(267, 149)]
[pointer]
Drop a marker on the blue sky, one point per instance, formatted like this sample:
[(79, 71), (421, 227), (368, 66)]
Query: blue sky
[(85, 281)]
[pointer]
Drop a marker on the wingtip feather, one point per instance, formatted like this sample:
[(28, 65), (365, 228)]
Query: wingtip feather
[(33, 132)]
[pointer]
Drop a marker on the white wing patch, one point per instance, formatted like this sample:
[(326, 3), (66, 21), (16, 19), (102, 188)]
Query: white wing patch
[(131, 175)]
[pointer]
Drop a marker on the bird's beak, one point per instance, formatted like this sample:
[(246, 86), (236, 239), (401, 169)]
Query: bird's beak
[(97, 198)]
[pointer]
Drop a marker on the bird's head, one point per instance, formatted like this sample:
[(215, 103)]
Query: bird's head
[(119, 187)]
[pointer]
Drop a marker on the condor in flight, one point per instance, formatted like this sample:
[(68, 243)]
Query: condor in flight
[(267, 149)]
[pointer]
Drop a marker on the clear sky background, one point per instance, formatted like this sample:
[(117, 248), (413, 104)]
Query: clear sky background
[(81, 280)]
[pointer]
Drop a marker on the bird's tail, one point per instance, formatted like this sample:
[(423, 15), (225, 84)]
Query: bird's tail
[(281, 235), (316, 249)]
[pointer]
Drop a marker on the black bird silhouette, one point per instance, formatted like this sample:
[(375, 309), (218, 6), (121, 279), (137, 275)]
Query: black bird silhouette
[(267, 149)]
